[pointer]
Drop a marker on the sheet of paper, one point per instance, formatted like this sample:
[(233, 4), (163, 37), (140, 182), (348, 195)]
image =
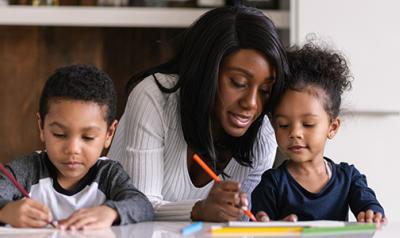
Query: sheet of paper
[(11, 230), (319, 223)]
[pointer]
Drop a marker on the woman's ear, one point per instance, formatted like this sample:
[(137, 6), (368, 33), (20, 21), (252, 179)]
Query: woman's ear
[(40, 126), (110, 133), (333, 127)]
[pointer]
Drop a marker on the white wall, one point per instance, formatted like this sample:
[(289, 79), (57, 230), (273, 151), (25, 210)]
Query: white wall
[(368, 32)]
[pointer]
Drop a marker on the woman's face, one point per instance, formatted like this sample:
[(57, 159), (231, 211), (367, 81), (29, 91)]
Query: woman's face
[(244, 86)]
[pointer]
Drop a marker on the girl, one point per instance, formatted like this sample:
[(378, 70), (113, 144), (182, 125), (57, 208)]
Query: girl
[(309, 185)]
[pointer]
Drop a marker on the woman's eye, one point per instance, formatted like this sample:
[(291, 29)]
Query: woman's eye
[(88, 138), (283, 125), (238, 83)]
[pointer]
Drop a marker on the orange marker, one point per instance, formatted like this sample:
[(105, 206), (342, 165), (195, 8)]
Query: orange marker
[(217, 179)]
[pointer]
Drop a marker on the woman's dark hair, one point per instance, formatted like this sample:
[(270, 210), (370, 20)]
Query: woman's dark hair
[(320, 67), (204, 45)]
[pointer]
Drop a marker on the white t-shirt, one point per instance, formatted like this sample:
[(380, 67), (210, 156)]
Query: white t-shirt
[(149, 143)]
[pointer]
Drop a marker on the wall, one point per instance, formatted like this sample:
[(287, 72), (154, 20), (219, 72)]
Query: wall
[(29, 54)]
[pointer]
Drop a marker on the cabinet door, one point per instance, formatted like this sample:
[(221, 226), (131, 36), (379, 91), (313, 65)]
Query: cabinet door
[(368, 33)]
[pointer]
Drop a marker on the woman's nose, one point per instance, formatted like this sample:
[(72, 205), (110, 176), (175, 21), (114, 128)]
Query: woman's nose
[(249, 99)]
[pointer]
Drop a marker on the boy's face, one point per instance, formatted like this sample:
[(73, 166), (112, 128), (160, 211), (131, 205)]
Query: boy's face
[(302, 125), (75, 133)]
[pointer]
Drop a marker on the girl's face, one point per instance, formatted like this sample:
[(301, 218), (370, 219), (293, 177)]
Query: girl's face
[(244, 86), (302, 125)]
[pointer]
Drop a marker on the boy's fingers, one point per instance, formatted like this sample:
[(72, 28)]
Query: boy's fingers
[(39, 206), (32, 222), (68, 222), (37, 214), (83, 222)]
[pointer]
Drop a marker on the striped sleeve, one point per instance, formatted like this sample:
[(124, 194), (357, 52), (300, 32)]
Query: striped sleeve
[(139, 146)]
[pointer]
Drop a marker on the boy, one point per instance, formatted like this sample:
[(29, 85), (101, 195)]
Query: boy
[(68, 182)]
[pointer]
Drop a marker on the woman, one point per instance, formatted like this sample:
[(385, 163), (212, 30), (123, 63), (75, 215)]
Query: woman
[(210, 99)]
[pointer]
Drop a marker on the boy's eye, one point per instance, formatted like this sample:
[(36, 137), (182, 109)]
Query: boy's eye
[(59, 135), (308, 125)]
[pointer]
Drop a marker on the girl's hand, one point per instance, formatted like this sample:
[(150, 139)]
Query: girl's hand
[(223, 203), (370, 216), (263, 217), (89, 218), (26, 213)]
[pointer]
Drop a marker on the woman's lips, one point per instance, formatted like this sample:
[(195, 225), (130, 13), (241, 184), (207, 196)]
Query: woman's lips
[(239, 120)]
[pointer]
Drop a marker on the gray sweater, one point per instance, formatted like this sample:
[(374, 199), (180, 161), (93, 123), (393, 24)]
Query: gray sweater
[(105, 183)]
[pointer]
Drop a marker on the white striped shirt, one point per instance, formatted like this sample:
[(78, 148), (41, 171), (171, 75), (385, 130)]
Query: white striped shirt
[(150, 145)]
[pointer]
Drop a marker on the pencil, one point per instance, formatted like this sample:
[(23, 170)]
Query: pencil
[(17, 185), (217, 179)]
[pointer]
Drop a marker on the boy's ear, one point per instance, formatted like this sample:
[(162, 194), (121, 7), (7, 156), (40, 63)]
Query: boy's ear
[(40, 123), (110, 133), (333, 127)]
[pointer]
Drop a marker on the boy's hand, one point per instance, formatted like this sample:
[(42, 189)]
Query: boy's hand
[(370, 216), (26, 213), (89, 218)]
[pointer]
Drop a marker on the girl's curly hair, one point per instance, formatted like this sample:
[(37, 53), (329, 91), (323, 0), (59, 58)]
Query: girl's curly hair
[(313, 65)]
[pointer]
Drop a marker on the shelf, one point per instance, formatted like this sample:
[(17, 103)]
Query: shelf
[(112, 16)]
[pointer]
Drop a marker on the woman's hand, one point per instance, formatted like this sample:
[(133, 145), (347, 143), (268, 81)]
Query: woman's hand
[(263, 217), (89, 218), (26, 213), (223, 203)]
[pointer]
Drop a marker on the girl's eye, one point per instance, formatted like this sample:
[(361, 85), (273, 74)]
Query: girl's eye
[(308, 125)]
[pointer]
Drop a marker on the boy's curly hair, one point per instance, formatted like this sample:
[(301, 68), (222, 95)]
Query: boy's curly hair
[(80, 82), (324, 68)]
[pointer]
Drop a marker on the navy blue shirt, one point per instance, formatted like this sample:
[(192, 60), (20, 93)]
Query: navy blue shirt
[(279, 195)]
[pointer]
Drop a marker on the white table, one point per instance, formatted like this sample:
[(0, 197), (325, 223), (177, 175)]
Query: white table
[(167, 230)]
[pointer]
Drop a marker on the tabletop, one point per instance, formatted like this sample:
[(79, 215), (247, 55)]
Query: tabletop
[(169, 230)]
